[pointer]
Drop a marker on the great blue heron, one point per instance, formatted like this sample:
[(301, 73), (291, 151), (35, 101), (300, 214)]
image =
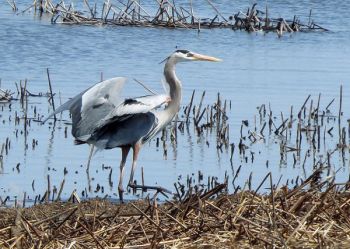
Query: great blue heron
[(102, 118)]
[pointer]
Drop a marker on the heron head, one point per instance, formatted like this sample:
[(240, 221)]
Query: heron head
[(185, 55)]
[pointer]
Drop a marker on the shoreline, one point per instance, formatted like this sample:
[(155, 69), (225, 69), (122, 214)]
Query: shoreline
[(311, 214)]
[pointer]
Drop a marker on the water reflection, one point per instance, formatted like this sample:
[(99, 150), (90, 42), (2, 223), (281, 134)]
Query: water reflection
[(189, 143), (88, 180), (49, 149)]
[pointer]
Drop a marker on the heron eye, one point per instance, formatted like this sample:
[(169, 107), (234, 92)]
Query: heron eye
[(189, 55)]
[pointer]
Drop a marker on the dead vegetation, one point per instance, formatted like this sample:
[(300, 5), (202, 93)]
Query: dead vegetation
[(313, 214), (167, 14), (5, 96)]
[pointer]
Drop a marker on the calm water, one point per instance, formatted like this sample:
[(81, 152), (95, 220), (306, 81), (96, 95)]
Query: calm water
[(256, 69)]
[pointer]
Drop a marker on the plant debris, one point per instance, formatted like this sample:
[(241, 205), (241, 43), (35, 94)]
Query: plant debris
[(312, 214), (168, 14)]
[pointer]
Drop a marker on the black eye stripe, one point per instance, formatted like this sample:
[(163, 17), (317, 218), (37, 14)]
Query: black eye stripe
[(182, 51), (189, 54)]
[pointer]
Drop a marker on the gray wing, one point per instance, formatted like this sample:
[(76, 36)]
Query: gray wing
[(128, 123), (124, 132), (137, 105), (92, 105), (133, 106)]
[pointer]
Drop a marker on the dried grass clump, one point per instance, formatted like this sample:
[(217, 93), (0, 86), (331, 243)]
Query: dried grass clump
[(314, 214), (167, 14)]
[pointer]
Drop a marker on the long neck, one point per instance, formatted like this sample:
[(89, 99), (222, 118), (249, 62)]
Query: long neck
[(175, 91)]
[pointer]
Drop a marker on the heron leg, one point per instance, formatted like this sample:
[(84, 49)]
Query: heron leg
[(125, 152), (134, 186), (90, 155), (136, 149)]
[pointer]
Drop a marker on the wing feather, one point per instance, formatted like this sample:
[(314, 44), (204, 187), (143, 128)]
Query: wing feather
[(107, 91), (90, 106), (130, 107), (87, 98), (140, 105)]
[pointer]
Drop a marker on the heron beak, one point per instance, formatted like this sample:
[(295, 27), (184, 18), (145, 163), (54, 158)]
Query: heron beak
[(201, 57)]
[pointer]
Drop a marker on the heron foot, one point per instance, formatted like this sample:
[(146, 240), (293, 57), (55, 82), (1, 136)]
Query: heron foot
[(145, 188)]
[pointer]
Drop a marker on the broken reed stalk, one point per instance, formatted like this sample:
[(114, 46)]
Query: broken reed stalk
[(13, 5), (58, 198), (197, 117), (189, 107), (340, 112), (216, 10), (48, 189), (51, 94)]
